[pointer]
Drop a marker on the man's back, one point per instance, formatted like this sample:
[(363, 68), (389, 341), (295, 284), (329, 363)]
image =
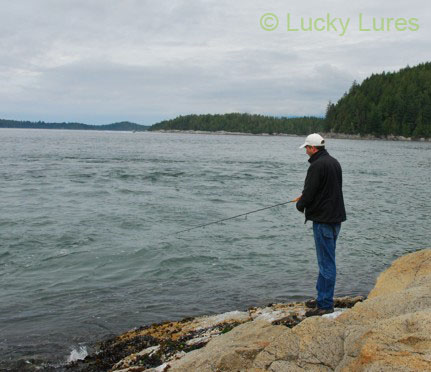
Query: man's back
[(322, 197)]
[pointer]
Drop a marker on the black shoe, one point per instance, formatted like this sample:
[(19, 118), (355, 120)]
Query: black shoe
[(318, 312), (311, 304)]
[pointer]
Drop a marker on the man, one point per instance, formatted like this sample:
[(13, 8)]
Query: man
[(323, 203)]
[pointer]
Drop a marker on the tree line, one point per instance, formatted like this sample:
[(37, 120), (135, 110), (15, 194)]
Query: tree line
[(121, 126), (390, 103), (244, 123)]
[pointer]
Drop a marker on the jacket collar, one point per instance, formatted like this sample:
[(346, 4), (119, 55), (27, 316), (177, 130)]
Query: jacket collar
[(317, 155)]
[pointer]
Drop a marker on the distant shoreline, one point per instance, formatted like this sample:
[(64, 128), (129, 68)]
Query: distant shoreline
[(326, 135), (221, 132)]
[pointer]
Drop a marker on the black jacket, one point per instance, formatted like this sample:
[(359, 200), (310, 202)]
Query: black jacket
[(322, 197)]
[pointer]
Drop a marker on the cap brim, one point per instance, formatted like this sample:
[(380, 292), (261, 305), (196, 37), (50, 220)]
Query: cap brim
[(302, 146)]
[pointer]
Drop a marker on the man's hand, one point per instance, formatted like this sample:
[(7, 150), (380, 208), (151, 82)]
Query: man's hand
[(297, 199)]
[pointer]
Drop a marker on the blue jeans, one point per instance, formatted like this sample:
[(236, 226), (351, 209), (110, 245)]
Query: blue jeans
[(325, 237)]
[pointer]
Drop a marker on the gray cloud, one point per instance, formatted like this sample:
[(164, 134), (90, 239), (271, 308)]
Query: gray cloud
[(104, 60)]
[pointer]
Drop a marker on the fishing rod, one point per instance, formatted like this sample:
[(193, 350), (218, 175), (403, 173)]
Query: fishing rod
[(230, 218)]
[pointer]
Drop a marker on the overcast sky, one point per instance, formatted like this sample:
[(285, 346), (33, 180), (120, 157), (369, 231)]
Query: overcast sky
[(102, 61)]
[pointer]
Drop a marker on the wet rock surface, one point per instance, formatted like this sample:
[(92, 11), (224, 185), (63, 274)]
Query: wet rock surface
[(389, 331), (154, 347)]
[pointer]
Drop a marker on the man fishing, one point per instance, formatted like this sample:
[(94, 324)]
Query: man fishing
[(323, 203)]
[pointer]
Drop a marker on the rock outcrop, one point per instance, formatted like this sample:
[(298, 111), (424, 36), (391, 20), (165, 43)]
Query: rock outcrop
[(389, 331)]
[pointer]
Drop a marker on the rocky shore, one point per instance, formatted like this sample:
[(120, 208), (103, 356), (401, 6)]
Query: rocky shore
[(325, 135), (388, 331)]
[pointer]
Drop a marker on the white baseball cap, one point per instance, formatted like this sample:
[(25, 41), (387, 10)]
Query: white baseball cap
[(313, 139)]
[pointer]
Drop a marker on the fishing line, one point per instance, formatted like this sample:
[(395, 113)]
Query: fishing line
[(230, 218)]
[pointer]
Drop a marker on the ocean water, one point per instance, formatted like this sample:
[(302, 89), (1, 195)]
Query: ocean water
[(85, 217)]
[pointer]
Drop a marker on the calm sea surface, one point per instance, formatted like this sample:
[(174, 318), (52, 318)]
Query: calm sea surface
[(84, 218)]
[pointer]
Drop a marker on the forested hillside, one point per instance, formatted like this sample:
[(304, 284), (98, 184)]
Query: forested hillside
[(391, 103)]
